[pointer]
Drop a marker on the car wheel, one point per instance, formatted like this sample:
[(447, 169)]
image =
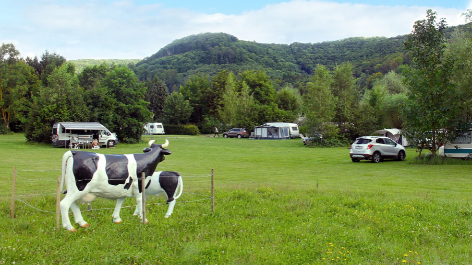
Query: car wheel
[(225, 136), (401, 156), (355, 160), (239, 135), (111, 143), (376, 157)]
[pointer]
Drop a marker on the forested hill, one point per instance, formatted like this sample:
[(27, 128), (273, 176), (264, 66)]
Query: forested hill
[(208, 53)]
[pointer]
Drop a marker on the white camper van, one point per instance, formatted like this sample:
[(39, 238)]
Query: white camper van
[(65, 133), (154, 128), (294, 132)]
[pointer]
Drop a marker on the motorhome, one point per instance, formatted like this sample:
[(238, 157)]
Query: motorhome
[(460, 147), (154, 128), (293, 127), (64, 134)]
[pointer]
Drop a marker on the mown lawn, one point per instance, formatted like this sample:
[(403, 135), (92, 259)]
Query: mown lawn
[(276, 202)]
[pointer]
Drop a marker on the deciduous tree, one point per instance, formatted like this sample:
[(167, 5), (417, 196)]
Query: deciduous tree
[(177, 110), (431, 110)]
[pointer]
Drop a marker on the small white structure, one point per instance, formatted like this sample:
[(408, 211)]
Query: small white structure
[(293, 127), (395, 135), (154, 128)]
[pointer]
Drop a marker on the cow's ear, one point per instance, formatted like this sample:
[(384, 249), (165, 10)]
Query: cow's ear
[(146, 150), (165, 152)]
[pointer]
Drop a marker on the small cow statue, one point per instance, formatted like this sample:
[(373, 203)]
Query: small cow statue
[(90, 175), (168, 182)]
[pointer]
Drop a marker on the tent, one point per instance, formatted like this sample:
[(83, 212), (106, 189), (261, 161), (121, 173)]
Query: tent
[(394, 134), (271, 132)]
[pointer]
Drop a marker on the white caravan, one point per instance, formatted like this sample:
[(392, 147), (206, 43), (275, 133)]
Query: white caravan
[(154, 128), (65, 133), (461, 147), (294, 132)]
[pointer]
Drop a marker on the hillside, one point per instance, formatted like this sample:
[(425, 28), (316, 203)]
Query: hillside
[(209, 53)]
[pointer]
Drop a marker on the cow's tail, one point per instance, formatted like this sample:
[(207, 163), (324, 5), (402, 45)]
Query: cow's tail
[(65, 157), (180, 186)]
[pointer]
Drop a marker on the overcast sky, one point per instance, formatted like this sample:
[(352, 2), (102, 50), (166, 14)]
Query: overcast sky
[(109, 29)]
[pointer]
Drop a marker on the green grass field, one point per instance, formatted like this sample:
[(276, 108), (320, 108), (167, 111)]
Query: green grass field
[(276, 202)]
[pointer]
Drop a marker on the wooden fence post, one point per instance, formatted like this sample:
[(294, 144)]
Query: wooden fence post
[(13, 194), (143, 188), (58, 202), (212, 191)]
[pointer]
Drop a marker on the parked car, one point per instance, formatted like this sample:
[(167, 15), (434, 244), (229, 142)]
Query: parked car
[(376, 148), (236, 132)]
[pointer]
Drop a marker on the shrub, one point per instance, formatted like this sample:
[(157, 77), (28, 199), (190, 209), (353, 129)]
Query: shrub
[(429, 159), (207, 126), (188, 129), (4, 129)]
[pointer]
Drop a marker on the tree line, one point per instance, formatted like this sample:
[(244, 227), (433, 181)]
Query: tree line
[(422, 89)]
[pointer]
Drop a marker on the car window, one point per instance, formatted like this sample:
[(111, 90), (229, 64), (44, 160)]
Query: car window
[(380, 141), (363, 141), (389, 141)]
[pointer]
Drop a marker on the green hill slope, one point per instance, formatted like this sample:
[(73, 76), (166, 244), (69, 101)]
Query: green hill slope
[(209, 53)]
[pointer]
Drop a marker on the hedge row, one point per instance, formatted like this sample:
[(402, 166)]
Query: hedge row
[(181, 129)]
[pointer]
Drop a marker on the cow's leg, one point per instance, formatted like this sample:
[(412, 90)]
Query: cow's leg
[(116, 213), (136, 211), (65, 206), (139, 204), (78, 215), (170, 210)]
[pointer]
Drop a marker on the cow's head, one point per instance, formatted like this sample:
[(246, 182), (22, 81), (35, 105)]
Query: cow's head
[(161, 148)]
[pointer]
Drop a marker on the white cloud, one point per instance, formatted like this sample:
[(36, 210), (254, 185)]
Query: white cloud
[(99, 29)]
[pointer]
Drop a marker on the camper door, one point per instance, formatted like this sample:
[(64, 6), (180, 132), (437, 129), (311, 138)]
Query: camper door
[(104, 134)]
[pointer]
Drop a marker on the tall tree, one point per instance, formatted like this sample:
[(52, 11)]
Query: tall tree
[(177, 110), (431, 110), (156, 95), (91, 76), (49, 62), (214, 96), (259, 84), (18, 84), (195, 91), (230, 101), (61, 100), (319, 102), (244, 110), (130, 110), (460, 48), (289, 99), (346, 97)]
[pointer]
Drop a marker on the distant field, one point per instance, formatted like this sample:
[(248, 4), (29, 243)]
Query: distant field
[(80, 64), (276, 202)]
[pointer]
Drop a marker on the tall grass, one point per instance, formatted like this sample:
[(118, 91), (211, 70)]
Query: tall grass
[(276, 202)]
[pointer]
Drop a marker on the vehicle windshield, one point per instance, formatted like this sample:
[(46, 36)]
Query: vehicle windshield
[(363, 141)]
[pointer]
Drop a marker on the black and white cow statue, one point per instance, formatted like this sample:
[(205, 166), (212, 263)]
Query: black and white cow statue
[(90, 175), (168, 182)]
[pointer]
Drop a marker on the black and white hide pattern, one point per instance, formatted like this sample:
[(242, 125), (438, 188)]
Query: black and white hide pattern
[(168, 182), (90, 175)]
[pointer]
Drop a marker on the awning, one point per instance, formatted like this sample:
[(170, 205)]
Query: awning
[(83, 126)]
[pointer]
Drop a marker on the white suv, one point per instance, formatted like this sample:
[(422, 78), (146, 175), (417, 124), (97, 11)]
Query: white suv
[(376, 148)]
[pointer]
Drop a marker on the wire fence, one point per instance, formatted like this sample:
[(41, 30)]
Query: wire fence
[(16, 197)]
